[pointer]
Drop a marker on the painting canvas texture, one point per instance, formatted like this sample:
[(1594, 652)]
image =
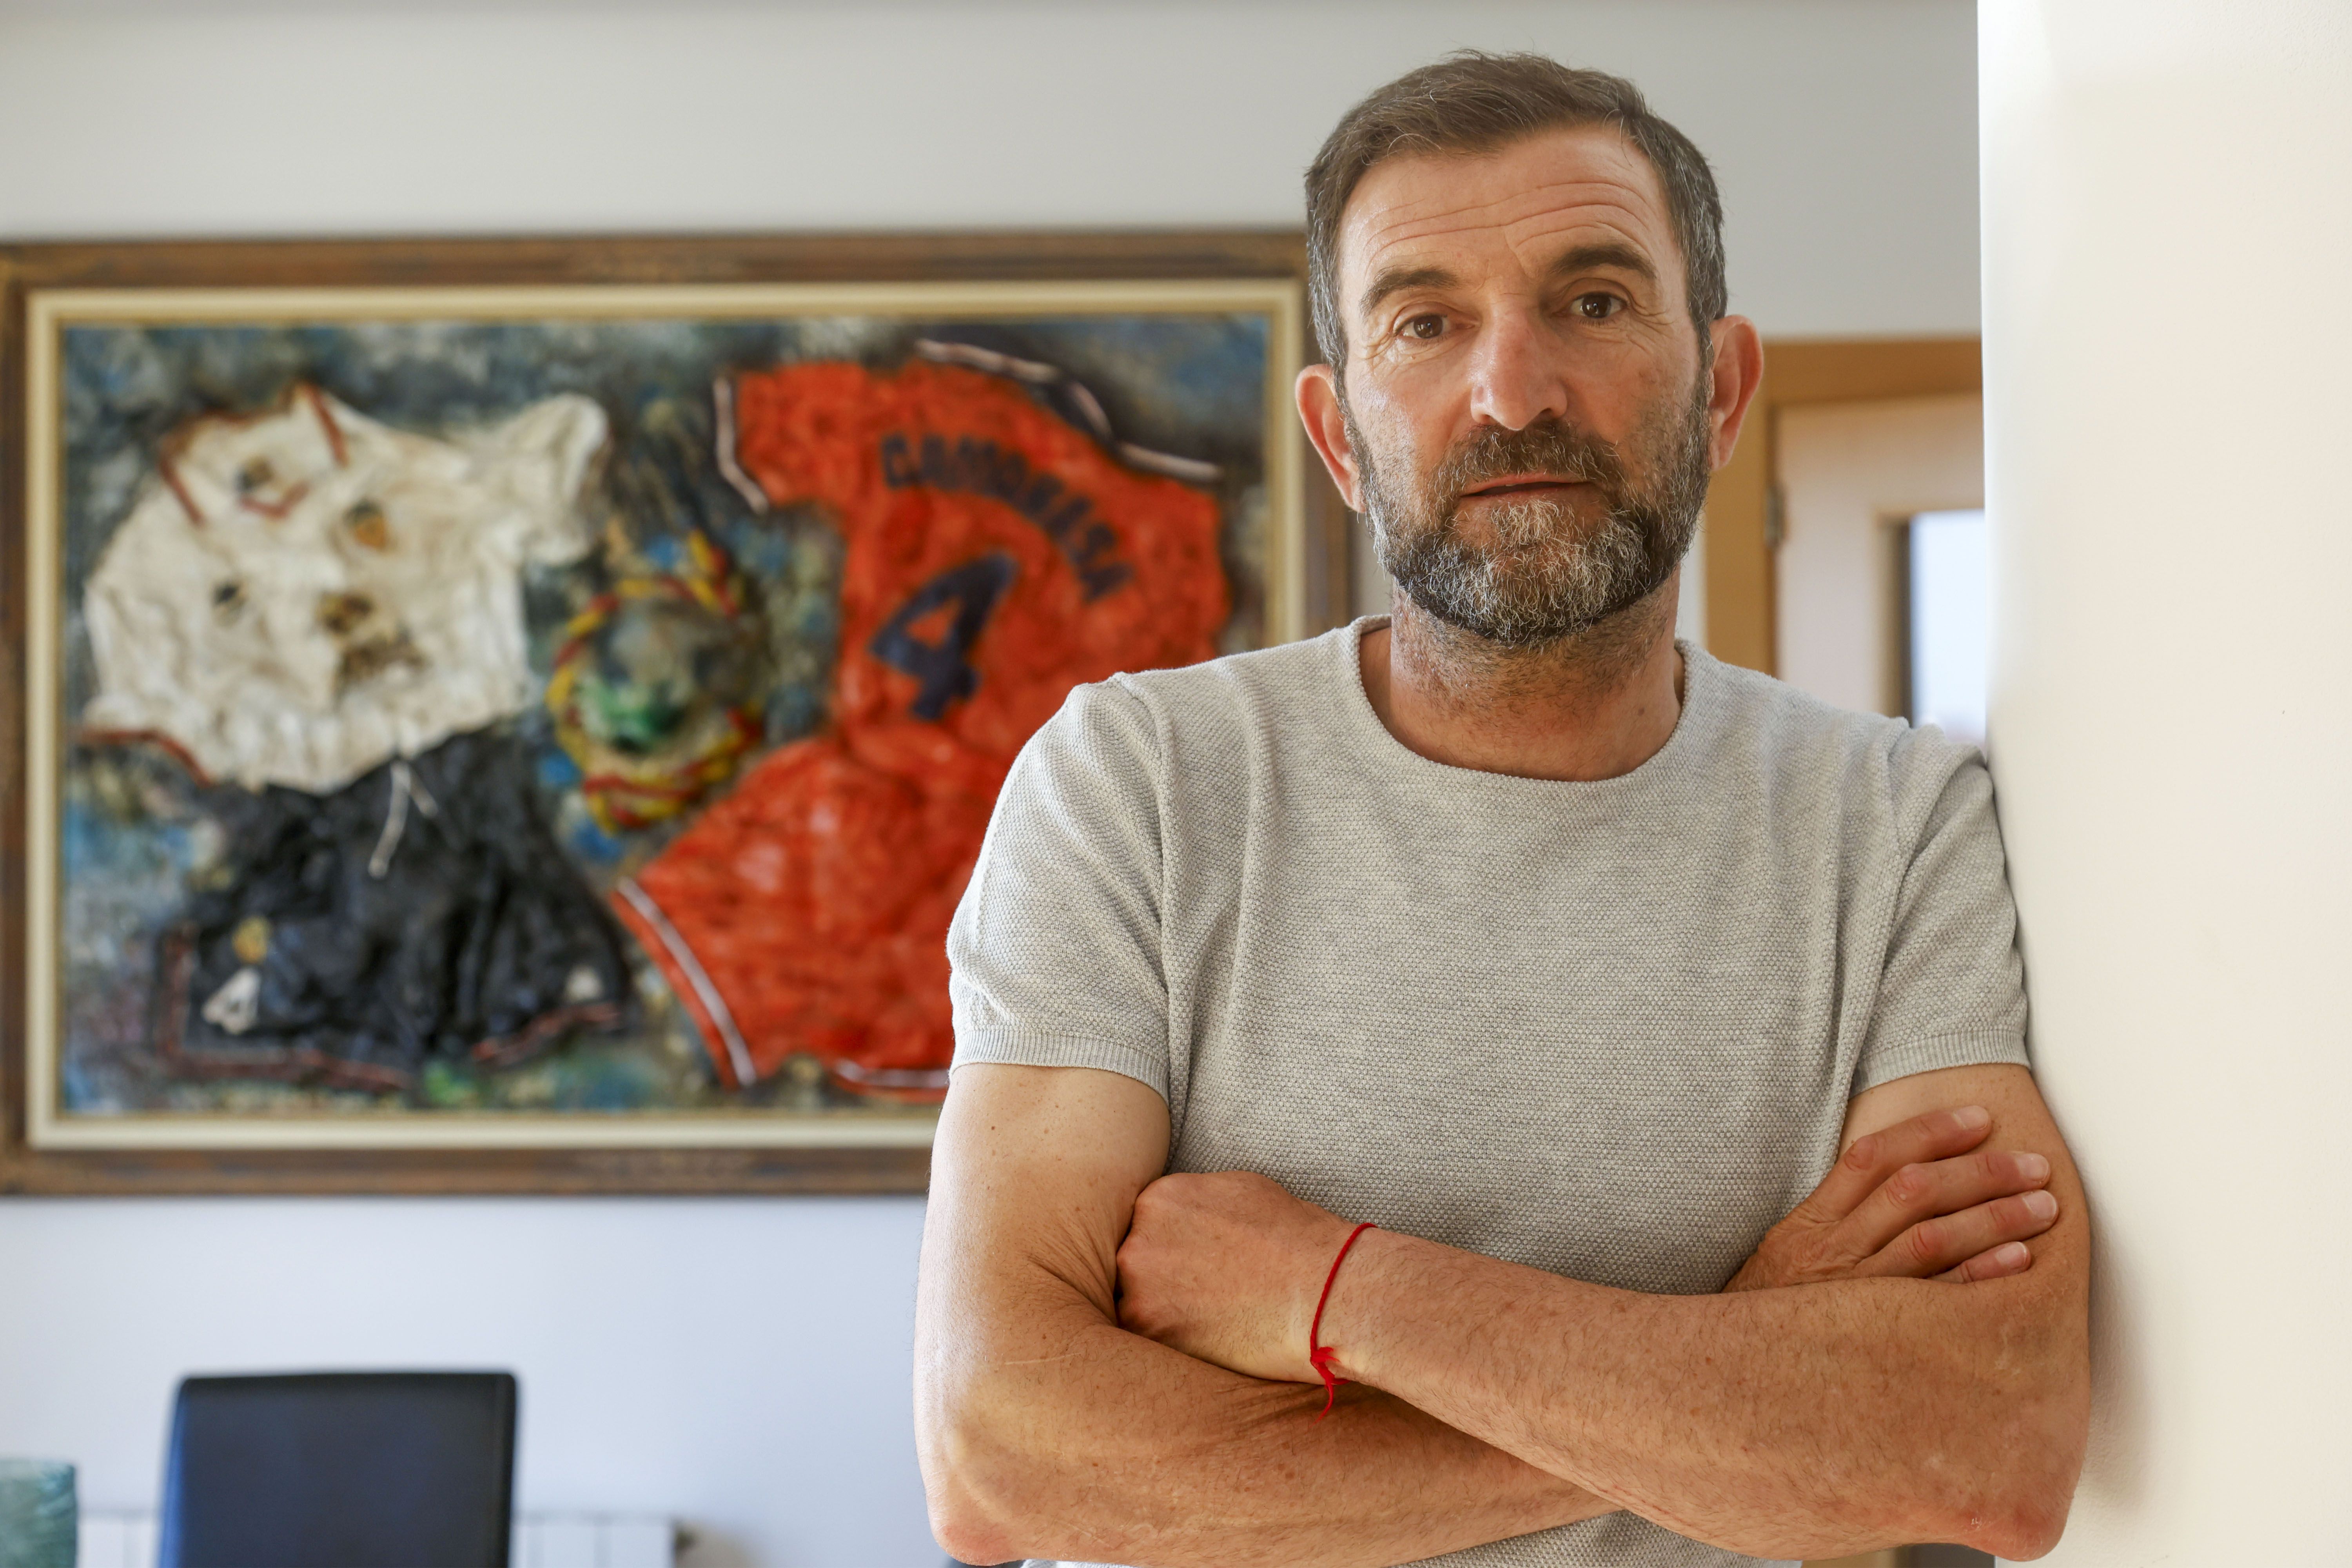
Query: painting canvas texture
[(593, 715)]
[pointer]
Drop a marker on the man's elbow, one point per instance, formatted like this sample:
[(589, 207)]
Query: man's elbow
[(967, 1519), (969, 1540), (2022, 1512), (967, 1534), (2023, 1523), (974, 1482)]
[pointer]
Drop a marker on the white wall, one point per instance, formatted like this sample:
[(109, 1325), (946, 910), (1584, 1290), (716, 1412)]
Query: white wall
[(1842, 129), (744, 1363), (2166, 220), (735, 1361)]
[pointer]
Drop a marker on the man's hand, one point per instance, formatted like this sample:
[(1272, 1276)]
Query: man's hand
[(1912, 1202), (1227, 1267)]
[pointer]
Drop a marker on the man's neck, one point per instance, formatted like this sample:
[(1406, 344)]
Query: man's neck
[(1591, 706)]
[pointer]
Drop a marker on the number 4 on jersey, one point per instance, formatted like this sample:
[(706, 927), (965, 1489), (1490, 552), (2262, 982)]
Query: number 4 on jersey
[(942, 669)]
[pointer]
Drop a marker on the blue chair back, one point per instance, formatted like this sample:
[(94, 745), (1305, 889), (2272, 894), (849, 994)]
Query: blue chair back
[(400, 1470)]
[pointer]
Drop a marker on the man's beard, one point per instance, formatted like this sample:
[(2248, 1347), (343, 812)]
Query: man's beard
[(1546, 575)]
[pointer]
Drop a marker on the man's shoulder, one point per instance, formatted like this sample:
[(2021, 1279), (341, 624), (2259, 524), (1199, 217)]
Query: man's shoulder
[(1218, 696), (1771, 711), (1193, 715), (1782, 732), (1280, 673)]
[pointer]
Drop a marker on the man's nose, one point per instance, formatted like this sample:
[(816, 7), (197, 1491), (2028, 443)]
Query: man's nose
[(1517, 372)]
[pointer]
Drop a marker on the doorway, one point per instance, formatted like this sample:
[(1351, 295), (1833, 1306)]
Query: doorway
[(1745, 507), (1881, 520)]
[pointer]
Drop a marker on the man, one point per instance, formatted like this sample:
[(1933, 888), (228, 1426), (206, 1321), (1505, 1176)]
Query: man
[(1570, 957)]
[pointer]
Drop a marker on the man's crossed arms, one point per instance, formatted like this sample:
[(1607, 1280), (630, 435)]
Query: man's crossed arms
[(1112, 1364)]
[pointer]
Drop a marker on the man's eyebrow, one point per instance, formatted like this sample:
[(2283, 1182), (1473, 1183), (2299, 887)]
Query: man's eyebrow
[(1585, 257), (1578, 259), (1396, 279)]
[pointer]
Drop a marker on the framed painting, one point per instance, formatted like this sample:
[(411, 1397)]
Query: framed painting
[(520, 715)]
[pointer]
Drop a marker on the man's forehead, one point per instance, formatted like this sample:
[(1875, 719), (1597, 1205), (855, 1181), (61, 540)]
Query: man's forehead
[(1531, 199)]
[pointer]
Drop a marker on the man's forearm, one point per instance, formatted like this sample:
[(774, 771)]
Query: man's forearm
[(1805, 1421), (1112, 1448), (1045, 1429)]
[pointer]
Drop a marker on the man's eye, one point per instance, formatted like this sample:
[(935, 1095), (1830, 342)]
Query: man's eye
[(1597, 307), (1424, 327)]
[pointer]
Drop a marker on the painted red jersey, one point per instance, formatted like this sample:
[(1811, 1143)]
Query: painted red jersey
[(996, 557)]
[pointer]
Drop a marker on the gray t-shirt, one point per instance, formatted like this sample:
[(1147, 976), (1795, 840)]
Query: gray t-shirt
[(1608, 1030)]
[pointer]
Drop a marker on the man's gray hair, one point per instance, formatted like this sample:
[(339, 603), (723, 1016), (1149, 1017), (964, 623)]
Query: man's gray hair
[(1472, 102)]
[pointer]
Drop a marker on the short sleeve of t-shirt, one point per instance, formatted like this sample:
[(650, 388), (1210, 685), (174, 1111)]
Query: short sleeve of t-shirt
[(1055, 949), (1951, 991)]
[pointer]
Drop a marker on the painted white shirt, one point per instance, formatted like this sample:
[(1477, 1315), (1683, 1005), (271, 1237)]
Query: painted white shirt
[(298, 596)]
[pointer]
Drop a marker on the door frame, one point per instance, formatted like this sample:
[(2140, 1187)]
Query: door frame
[(1743, 509)]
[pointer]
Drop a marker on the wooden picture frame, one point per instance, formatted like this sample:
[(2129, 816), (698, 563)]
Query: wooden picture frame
[(47, 1146)]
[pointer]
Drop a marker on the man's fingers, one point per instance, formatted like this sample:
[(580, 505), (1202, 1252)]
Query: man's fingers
[(1925, 1191), (1932, 1247), (2010, 1258), (1868, 1161)]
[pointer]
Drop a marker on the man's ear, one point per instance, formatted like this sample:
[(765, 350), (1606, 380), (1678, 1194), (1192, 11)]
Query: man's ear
[(1319, 410), (1738, 371)]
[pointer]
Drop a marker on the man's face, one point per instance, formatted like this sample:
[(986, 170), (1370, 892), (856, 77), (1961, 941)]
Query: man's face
[(1527, 402)]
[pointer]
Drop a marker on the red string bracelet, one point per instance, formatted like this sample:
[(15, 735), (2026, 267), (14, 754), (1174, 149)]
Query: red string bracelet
[(1319, 1354)]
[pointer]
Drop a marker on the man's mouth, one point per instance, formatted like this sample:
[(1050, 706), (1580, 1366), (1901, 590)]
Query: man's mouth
[(1521, 484)]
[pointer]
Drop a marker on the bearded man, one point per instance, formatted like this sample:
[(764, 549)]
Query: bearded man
[(1665, 1024)]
